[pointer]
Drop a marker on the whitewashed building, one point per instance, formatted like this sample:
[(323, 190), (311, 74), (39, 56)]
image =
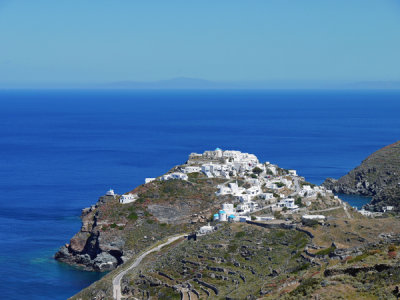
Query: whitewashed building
[(148, 180), (191, 169), (110, 192), (128, 198), (206, 229), (228, 208), (288, 203), (175, 175), (267, 196)]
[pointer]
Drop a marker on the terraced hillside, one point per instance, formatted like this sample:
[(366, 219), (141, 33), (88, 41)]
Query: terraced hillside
[(237, 261), (349, 255)]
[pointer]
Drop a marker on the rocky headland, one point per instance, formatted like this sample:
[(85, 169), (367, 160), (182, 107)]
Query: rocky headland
[(285, 238), (377, 176), (112, 232), (181, 200)]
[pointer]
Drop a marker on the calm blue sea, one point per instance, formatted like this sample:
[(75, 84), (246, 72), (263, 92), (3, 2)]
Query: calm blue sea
[(61, 150)]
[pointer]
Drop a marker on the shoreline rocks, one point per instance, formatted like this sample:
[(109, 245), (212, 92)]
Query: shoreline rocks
[(377, 176)]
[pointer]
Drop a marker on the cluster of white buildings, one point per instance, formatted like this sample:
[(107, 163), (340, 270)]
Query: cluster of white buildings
[(175, 175), (308, 191), (128, 198), (123, 199), (225, 163), (263, 183), (229, 213)]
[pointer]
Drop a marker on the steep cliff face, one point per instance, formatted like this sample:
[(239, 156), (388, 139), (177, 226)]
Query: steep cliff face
[(377, 176), (112, 232), (92, 248)]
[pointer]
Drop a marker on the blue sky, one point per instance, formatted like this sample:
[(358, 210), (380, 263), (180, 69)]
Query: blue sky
[(104, 41)]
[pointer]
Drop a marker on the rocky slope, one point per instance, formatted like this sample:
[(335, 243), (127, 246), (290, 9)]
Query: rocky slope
[(377, 176), (346, 258), (112, 232)]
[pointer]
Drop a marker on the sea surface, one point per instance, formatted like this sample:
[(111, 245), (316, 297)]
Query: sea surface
[(61, 150)]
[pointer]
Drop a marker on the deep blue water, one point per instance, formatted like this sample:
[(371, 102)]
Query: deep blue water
[(61, 150)]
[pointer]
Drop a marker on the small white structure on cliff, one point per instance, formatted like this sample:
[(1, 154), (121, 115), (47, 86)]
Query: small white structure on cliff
[(110, 192), (206, 229), (288, 203), (175, 175), (128, 198), (191, 169), (148, 180)]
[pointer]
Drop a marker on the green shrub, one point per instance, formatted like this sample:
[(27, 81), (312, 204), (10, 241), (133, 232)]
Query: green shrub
[(133, 216), (306, 287), (194, 175), (113, 225), (298, 202), (240, 234), (257, 170), (277, 215), (358, 258), (232, 248)]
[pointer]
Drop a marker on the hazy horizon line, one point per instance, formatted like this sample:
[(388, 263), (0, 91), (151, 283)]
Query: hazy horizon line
[(188, 83)]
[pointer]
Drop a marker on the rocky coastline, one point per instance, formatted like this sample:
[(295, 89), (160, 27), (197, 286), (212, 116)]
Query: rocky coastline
[(87, 249), (377, 176)]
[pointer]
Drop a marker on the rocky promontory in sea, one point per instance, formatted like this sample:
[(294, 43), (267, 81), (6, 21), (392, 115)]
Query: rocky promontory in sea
[(242, 229), (377, 176), (118, 227)]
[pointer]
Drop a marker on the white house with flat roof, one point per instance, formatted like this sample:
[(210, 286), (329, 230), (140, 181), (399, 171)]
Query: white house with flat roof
[(245, 198), (288, 203), (206, 229), (228, 208), (267, 196), (175, 175), (148, 180), (128, 198), (191, 169)]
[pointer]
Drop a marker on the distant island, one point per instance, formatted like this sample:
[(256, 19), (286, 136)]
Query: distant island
[(225, 225)]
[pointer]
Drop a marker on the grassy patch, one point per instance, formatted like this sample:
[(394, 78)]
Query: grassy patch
[(358, 258), (240, 234), (306, 287), (326, 251)]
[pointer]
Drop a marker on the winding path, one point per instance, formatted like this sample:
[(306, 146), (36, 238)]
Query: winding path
[(117, 279)]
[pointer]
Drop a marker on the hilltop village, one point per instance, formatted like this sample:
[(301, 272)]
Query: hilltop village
[(253, 186)]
